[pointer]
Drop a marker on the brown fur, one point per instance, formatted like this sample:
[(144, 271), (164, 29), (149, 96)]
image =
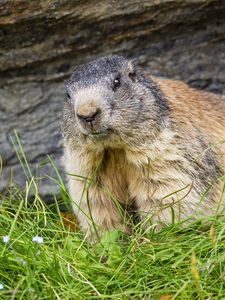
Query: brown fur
[(150, 172)]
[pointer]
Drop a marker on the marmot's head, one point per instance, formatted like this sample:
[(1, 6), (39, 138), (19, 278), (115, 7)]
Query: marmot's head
[(110, 99)]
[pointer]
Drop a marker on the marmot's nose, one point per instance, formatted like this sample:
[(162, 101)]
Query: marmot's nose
[(88, 116)]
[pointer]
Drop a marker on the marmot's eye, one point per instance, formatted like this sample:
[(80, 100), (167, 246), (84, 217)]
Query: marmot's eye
[(116, 82), (68, 96)]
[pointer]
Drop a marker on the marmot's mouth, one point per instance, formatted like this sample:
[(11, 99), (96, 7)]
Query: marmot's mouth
[(99, 135), (96, 133)]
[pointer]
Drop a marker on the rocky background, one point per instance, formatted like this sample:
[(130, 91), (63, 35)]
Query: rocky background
[(42, 41)]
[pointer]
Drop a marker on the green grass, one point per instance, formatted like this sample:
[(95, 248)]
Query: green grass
[(174, 263), (183, 263)]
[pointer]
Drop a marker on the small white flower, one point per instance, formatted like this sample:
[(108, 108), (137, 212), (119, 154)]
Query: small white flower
[(6, 239), (1, 287), (38, 239), (22, 261)]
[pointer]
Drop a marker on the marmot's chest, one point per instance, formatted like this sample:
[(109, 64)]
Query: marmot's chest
[(127, 178), (119, 177)]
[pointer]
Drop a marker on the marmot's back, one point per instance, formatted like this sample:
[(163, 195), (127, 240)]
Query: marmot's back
[(195, 112)]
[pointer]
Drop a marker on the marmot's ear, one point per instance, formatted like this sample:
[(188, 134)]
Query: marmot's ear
[(131, 68)]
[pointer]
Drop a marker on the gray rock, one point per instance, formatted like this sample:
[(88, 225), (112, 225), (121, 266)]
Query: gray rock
[(42, 41)]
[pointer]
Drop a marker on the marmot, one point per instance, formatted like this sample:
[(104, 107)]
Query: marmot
[(152, 146)]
